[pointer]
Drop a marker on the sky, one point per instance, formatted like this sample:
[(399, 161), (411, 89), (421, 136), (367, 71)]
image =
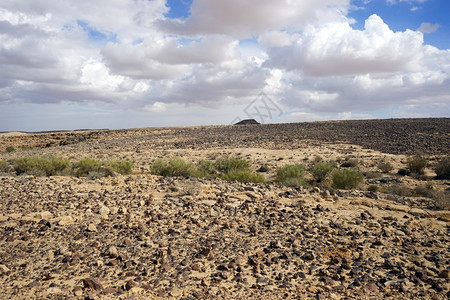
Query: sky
[(110, 64)]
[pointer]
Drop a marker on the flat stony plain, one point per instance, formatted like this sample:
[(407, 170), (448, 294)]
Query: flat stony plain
[(142, 236)]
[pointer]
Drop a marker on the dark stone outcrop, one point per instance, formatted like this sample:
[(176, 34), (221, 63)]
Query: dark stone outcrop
[(247, 122)]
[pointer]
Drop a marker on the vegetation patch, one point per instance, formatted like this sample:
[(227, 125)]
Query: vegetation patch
[(173, 167), (385, 166), (442, 169), (291, 175), (346, 179), (122, 167), (416, 164), (10, 149), (42, 166), (243, 176), (321, 170)]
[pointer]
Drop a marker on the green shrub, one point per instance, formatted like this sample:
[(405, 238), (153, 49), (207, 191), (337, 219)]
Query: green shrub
[(372, 188), (442, 168), (86, 166), (346, 179), (399, 190), (42, 166), (349, 163), (416, 164), (205, 168), (385, 166), (4, 167), (291, 175), (321, 170), (243, 176), (173, 167), (121, 167), (10, 149), (228, 164)]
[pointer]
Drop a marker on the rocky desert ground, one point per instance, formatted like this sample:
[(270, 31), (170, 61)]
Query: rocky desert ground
[(142, 236)]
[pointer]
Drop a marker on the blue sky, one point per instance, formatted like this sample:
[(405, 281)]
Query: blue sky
[(120, 64)]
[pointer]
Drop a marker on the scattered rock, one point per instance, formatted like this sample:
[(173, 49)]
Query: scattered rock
[(92, 283), (112, 252), (92, 228)]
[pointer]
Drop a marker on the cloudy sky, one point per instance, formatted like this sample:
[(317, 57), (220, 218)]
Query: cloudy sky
[(74, 64)]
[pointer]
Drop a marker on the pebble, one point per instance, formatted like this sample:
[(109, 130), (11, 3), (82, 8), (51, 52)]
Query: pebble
[(66, 220), (112, 252), (92, 283), (92, 228)]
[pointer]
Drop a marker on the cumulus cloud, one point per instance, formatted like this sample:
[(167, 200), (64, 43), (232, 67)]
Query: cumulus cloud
[(337, 49), (128, 54), (428, 27), (252, 17)]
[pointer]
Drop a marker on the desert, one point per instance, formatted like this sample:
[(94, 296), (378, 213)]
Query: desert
[(144, 236)]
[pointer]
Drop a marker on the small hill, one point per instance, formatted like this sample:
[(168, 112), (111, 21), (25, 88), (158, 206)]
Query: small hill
[(247, 122)]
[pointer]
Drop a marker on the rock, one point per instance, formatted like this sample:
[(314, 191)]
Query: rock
[(247, 122), (92, 228), (92, 283), (3, 269), (34, 283), (176, 292), (130, 284), (104, 212), (66, 220), (417, 212), (308, 256), (373, 224), (45, 215), (77, 291), (109, 290), (445, 274), (112, 252)]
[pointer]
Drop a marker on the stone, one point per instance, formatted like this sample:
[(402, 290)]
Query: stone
[(104, 212), (66, 220), (92, 228), (4, 269), (77, 291), (445, 274), (92, 283), (112, 252), (130, 284)]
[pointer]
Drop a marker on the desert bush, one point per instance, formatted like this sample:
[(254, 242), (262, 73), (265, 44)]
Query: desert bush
[(228, 164), (385, 166), (10, 149), (205, 168), (243, 176), (346, 179), (399, 190), (349, 163), (173, 167), (86, 166), (416, 164), (372, 188), (442, 200), (321, 170), (442, 168), (4, 167), (291, 175), (121, 167), (42, 166)]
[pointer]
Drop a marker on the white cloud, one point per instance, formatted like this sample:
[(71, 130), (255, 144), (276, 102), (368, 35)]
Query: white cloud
[(252, 17), (337, 49), (428, 27), (126, 55)]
